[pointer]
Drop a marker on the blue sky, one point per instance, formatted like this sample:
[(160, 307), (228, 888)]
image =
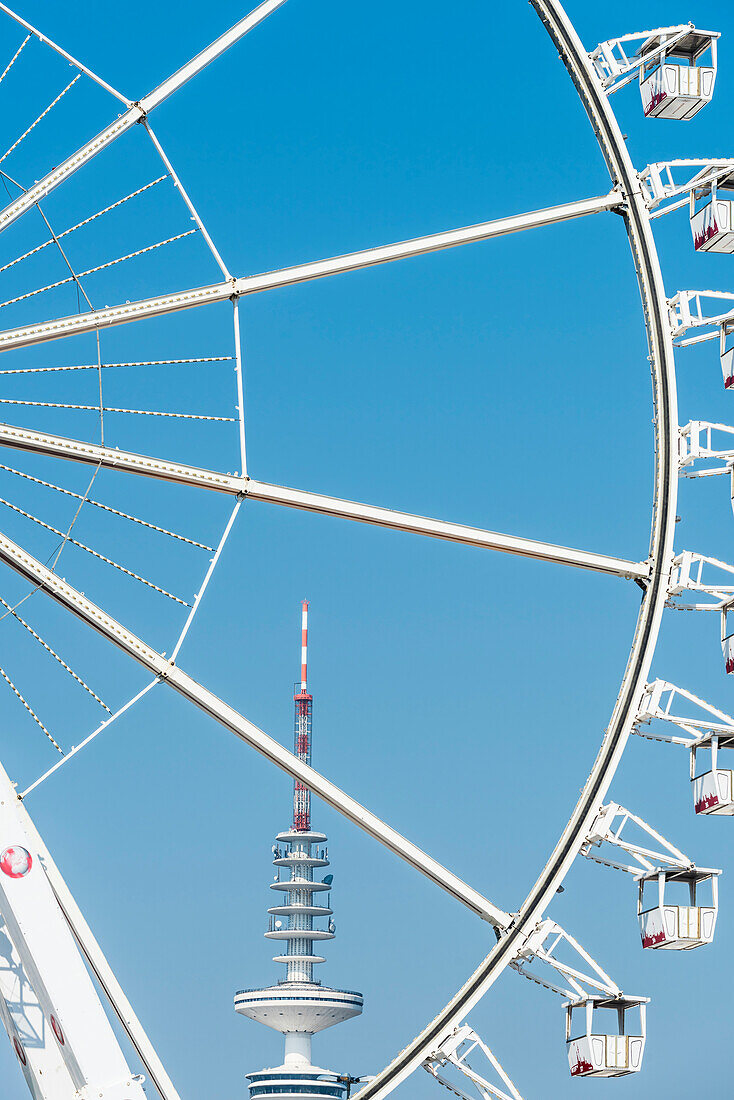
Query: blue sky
[(459, 694)]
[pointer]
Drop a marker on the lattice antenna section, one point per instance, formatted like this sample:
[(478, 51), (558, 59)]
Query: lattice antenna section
[(453, 1053), (302, 732)]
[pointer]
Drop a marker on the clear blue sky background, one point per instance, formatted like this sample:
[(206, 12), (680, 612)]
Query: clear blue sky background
[(461, 695)]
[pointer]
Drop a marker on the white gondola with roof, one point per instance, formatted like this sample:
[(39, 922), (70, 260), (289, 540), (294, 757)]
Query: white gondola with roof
[(676, 67), (712, 215), (673, 913), (606, 1044), (678, 72)]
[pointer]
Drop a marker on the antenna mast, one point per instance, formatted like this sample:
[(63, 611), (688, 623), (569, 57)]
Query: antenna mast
[(302, 733)]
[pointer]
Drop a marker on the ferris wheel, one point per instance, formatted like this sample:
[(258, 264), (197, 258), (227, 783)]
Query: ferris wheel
[(122, 417)]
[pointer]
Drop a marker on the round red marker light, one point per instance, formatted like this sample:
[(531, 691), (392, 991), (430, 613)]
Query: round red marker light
[(20, 1052), (57, 1030), (16, 862)]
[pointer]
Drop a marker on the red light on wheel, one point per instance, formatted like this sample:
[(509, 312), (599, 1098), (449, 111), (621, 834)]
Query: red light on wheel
[(22, 1058), (16, 862), (57, 1030)]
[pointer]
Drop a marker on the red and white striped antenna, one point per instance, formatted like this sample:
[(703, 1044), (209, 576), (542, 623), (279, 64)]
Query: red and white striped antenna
[(304, 642)]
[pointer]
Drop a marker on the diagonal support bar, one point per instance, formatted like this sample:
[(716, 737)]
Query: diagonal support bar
[(37, 574), (211, 53), (300, 273), (109, 458), (133, 115)]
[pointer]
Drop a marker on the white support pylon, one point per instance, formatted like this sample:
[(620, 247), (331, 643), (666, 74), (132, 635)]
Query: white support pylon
[(74, 1054)]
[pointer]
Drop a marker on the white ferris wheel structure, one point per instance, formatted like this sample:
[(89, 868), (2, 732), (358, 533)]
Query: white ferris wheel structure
[(50, 1008)]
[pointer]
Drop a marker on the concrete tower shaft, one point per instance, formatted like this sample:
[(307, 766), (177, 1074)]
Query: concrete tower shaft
[(301, 920)]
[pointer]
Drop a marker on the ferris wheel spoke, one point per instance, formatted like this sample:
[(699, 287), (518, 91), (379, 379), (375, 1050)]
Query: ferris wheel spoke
[(302, 500), (35, 33), (135, 113), (168, 672), (232, 289)]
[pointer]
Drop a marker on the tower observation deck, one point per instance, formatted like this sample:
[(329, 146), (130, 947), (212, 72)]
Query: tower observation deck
[(299, 1006)]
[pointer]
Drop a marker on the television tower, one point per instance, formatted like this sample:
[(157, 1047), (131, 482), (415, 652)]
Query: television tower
[(299, 1006)]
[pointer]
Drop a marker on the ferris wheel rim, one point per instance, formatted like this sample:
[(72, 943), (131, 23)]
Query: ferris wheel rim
[(662, 363), (562, 33)]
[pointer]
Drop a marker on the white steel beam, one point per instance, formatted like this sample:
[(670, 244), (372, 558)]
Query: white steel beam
[(37, 574), (63, 171), (102, 970), (94, 454), (300, 273), (91, 1060), (72, 60), (211, 53), (133, 115), (440, 529)]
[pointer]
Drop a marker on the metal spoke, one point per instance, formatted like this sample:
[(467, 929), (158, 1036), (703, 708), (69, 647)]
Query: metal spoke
[(133, 114), (35, 33), (99, 267), (86, 221), (109, 458), (43, 114), (39, 575), (300, 273)]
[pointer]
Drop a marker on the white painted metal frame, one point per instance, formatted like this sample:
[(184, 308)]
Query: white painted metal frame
[(691, 309), (627, 197), (455, 1051), (231, 289), (662, 187), (608, 829), (697, 439), (541, 946), (135, 113), (658, 703), (245, 487), (615, 67), (693, 573)]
